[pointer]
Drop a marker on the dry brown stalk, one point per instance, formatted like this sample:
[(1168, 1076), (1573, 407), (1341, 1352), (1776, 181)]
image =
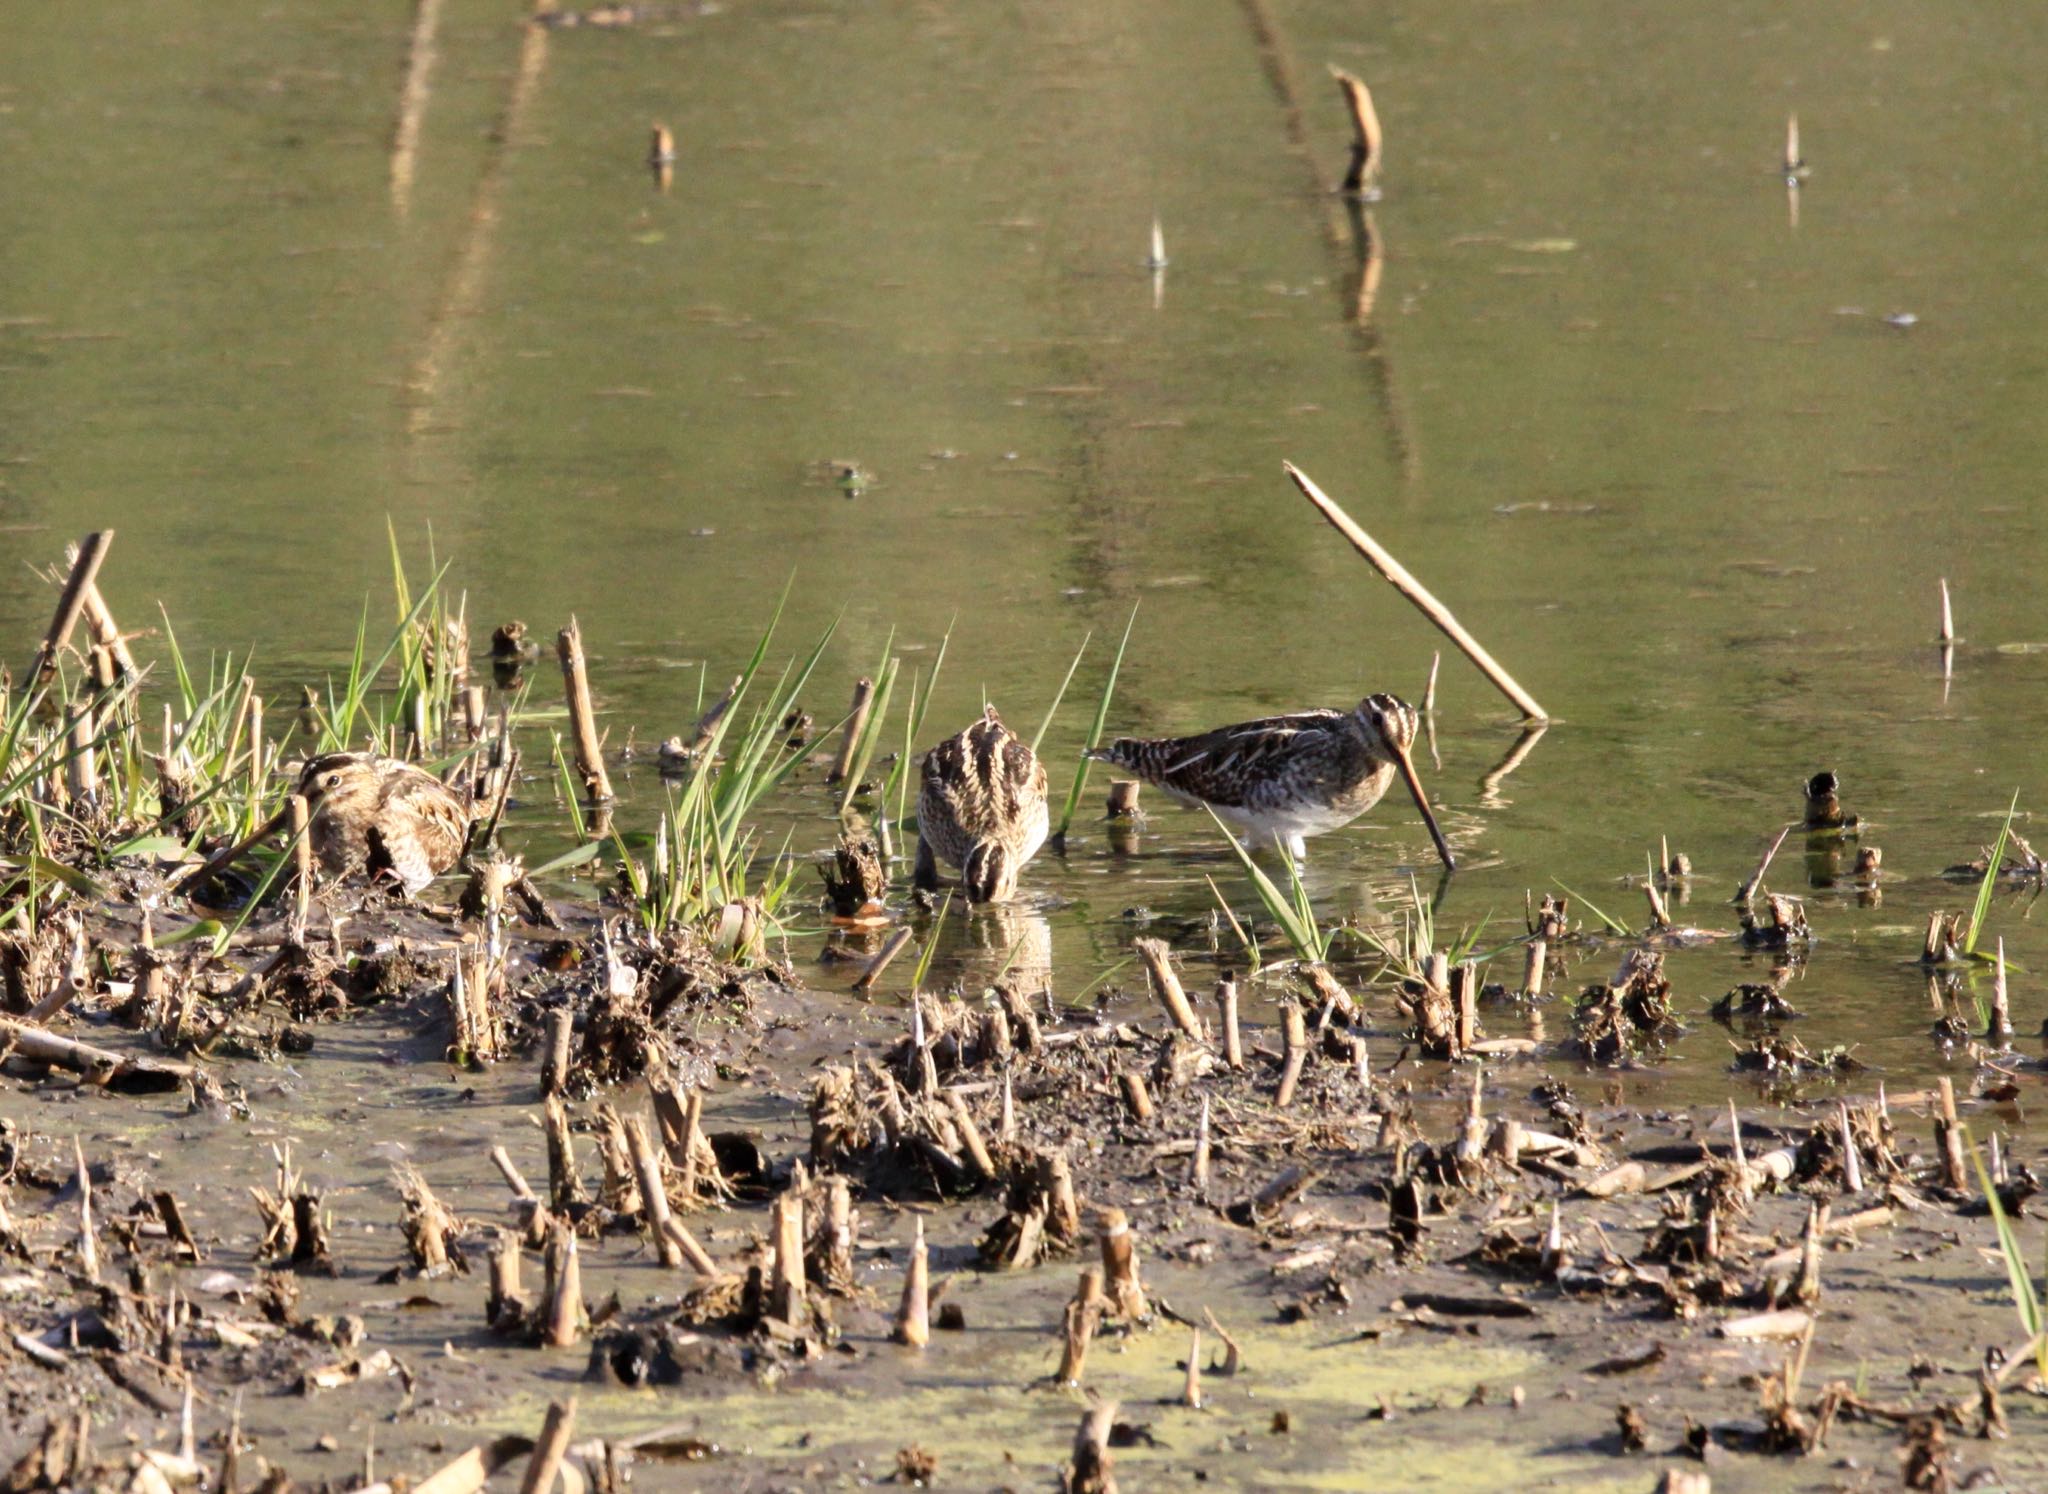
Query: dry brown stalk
[(1137, 1097), (1383, 561), (653, 1190), (913, 1326), (1366, 139), (1233, 1042), (566, 1313), (554, 1064), (786, 1296), (856, 723), (1158, 961), (1294, 1051), (1078, 1327), (1191, 1388), (894, 947), (1089, 1470), (70, 602), (1120, 1267), (546, 1464), (582, 715)]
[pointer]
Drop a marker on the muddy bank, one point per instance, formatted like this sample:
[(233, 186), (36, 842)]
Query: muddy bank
[(1562, 1292)]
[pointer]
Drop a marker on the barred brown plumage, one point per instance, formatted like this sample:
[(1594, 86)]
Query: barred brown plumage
[(1285, 778), (981, 807), (380, 815)]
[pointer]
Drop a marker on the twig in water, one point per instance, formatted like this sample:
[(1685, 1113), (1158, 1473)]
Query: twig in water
[(1383, 561)]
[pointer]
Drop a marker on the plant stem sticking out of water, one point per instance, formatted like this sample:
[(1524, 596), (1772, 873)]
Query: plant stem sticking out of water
[(1059, 837)]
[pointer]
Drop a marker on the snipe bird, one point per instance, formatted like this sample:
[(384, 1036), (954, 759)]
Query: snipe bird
[(981, 807), (1285, 778), (382, 816)]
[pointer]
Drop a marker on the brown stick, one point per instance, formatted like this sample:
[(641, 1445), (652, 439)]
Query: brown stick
[(1191, 1389), (101, 1065), (856, 723), (70, 602), (1365, 130), (546, 1464), (106, 633), (786, 1298), (653, 1192), (1137, 1097), (1532, 967), (1948, 1132), (1294, 1051), (880, 962), (695, 1256), (913, 1326), (582, 716), (565, 1304), (1198, 1170), (1852, 1155), (1397, 574), (1166, 986), (1089, 1472), (554, 1066), (1233, 1042), (1079, 1326), (970, 1137), (1120, 1267)]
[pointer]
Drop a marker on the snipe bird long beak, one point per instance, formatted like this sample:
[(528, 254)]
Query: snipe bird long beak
[(1414, 782)]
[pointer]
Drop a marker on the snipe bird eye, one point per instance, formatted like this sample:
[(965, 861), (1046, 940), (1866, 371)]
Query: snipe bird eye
[(333, 779)]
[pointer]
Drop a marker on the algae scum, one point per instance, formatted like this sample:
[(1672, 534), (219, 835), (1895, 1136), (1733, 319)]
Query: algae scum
[(874, 356)]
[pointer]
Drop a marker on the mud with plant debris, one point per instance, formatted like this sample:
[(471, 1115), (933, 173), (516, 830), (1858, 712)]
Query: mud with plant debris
[(1472, 1250)]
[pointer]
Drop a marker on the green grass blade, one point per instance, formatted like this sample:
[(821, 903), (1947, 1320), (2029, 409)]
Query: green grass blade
[(1095, 730), (1061, 694), (1990, 882)]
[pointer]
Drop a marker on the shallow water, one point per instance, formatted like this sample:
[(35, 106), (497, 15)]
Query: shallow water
[(1631, 405)]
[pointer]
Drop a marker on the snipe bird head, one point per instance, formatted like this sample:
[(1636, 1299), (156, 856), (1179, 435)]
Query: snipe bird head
[(330, 773), (989, 874), (1390, 724)]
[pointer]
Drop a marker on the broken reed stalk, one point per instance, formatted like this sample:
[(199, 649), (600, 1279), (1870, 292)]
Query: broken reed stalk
[(554, 1063), (298, 820), (653, 1192), (99, 618), (1397, 575), (786, 1299), (1436, 660), (1089, 1472), (896, 945), (1191, 1388), (546, 1464), (1948, 617), (565, 1300), (913, 1326), (81, 770), (1137, 1097), (70, 602), (1532, 967), (1999, 1027), (1198, 1170), (1158, 960), (1366, 139), (1079, 1326), (1293, 1052), (1120, 1267), (856, 726), (1948, 1138), (1852, 1156), (1807, 1289), (564, 1187), (1465, 1002), (1226, 1004), (1747, 891), (971, 1140), (88, 1233), (582, 716)]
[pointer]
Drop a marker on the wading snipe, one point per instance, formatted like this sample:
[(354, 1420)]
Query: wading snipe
[(1286, 778), (981, 808), (382, 816)]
